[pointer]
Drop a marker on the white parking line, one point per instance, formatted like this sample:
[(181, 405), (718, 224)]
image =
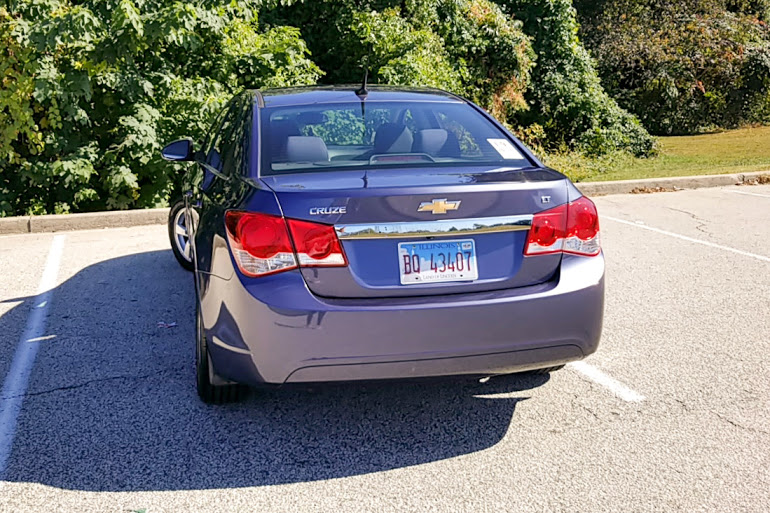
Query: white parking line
[(616, 387), (750, 194), (15, 385), (689, 239)]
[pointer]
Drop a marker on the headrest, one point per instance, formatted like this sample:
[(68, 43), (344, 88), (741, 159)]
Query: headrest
[(392, 138), (306, 149), (280, 130), (436, 142), (430, 141)]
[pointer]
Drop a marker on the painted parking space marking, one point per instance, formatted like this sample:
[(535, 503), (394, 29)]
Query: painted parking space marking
[(17, 380), (690, 239), (751, 194), (618, 389)]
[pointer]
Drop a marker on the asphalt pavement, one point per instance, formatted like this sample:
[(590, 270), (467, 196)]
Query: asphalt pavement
[(671, 414)]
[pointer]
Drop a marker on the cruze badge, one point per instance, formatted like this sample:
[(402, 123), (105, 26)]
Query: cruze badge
[(325, 211), (438, 206)]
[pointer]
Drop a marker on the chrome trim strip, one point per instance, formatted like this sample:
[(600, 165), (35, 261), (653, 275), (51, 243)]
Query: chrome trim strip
[(448, 227)]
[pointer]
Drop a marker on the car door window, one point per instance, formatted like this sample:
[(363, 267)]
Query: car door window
[(234, 148), (227, 154), (213, 131), (214, 152)]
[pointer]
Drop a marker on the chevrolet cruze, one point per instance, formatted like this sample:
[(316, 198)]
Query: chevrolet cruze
[(343, 233)]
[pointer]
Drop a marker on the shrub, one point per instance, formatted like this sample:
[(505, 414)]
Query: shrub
[(684, 67), (94, 89), (566, 95), (477, 49), (469, 47)]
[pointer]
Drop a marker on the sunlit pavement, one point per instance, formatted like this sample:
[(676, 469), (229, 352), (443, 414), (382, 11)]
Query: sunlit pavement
[(672, 413)]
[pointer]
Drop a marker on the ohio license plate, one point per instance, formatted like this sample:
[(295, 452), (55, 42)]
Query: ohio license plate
[(437, 261)]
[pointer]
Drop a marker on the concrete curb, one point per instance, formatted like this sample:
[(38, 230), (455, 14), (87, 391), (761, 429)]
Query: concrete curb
[(125, 218), (89, 221), (677, 182)]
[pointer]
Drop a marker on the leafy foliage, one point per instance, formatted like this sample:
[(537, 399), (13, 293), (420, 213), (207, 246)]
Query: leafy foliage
[(568, 99), (684, 67), (519, 59), (469, 47), (92, 89)]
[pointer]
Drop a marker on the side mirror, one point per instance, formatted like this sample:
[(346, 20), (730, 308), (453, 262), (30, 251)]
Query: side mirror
[(179, 151)]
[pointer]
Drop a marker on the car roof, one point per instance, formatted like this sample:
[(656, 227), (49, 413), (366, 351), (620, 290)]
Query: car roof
[(290, 96)]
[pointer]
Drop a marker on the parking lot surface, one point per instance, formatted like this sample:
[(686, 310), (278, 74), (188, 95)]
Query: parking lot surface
[(99, 413)]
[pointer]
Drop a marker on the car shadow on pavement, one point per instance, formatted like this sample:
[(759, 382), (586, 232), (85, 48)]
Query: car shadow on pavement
[(112, 406)]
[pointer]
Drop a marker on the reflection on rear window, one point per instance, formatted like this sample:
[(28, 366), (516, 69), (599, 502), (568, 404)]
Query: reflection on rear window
[(381, 134)]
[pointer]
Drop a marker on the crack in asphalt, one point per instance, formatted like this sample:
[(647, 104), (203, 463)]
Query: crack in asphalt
[(700, 226), (589, 410), (687, 408), (574, 402), (91, 382), (690, 409), (739, 425)]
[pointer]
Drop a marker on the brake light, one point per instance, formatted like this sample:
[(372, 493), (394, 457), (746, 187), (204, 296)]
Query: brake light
[(317, 244), (547, 232), (582, 228), (571, 228), (261, 244)]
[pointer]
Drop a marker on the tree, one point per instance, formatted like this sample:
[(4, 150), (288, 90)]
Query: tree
[(93, 90), (519, 59), (683, 67), (567, 96)]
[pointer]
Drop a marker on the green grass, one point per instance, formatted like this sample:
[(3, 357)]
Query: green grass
[(734, 151)]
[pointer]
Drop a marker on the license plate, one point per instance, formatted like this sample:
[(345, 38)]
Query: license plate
[(437, 261)]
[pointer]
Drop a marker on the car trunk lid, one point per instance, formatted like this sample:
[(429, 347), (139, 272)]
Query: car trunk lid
[(384, 215)]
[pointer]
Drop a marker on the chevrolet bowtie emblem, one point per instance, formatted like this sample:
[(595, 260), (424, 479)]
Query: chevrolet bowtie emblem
[(438, 206)]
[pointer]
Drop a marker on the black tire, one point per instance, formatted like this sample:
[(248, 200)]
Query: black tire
[(209, 393), (547, 370), (180, 243)]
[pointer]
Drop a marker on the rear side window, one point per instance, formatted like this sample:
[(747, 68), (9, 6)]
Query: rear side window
[(214, 153), (235, 147), (208, 142), (229, 148), (372, 134)]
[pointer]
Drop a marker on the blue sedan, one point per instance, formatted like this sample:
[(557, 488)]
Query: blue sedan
[(343, 234)]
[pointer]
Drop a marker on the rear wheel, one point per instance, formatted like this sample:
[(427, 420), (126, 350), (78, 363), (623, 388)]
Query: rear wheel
[(179, 235), (208, 392)]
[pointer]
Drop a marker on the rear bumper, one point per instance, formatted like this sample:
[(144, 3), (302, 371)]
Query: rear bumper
[(272, 330)]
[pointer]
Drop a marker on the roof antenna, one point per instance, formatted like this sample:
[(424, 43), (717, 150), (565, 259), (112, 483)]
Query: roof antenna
[(363, 92)]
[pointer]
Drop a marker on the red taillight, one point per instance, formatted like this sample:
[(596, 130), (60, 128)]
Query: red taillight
[(583, 220), (263, 238), (317, 244), (572, 228), (261, 244), (547, 232)]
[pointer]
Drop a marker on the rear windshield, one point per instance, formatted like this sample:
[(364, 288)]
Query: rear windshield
[(371, 134)]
